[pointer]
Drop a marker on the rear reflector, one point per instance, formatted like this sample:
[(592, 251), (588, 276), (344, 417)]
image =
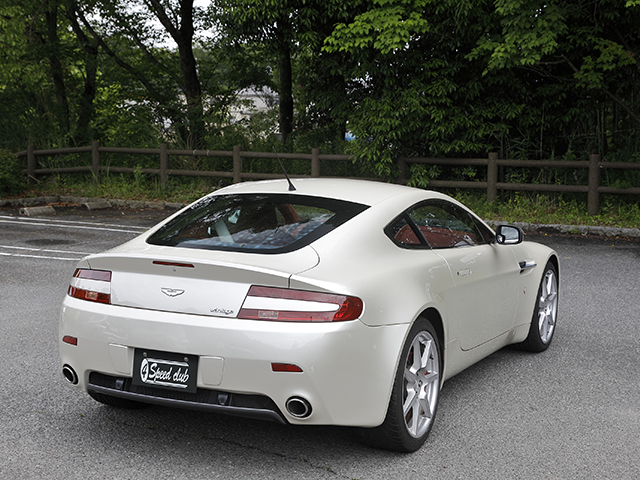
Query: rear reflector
[(287, 305), (70, 340), (285, 367)]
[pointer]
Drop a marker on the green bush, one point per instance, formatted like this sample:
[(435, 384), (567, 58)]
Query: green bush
[(12, 180)]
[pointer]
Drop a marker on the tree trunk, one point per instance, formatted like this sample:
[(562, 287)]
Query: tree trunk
[(183, 36), (188, 67), (84, 132), (285, 92), (57, 70)]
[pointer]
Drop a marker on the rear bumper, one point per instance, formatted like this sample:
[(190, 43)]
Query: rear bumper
[(250, 406), (347, 367)]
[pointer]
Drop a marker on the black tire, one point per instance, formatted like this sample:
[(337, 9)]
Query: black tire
[(116, 401), (407, 432), (545, 312)]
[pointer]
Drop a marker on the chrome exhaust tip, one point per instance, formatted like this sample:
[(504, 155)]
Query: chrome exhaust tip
[(298, 407), (70, 374)]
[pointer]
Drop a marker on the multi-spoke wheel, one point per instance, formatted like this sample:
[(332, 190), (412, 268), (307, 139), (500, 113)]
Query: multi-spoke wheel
[(543, 322), (421, 384), (414, 398)]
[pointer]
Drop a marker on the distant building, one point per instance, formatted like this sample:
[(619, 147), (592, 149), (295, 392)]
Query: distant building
[(251, 101)]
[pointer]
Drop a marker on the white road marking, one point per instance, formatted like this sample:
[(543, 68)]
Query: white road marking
[(59, 220), (31, 249), (38, 256), (68, 224), (50, 254)]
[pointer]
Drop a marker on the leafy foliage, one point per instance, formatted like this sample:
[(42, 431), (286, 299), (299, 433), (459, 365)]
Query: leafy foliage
[(530, 79), (418, 95), (12, 181)]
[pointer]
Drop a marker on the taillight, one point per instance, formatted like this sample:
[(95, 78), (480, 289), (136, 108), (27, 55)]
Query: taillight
[(287, 305), (91, 285), (100, 275)]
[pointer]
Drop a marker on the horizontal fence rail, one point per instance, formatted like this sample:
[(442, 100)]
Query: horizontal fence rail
[(492, 163)]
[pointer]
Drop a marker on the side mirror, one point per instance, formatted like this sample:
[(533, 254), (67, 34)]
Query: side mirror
[(509, 235)]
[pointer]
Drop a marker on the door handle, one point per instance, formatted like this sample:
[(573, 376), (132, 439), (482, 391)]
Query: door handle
[(527, 264)]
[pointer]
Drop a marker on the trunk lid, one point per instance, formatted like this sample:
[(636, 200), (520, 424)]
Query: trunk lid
[(209, 283)]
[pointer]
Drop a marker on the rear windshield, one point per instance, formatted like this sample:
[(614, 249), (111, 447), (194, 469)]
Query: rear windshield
[(269, 223)]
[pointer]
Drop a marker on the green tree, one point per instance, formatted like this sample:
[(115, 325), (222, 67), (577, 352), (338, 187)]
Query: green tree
[(42, 66), (287, 31), (587, 50), (127, 33), (326, 91), (532, 79), (417, 93)]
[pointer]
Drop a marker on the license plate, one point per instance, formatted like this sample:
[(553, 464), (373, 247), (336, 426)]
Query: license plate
[(172, 371)]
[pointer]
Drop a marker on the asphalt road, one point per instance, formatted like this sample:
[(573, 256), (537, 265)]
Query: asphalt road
[(572, 412)]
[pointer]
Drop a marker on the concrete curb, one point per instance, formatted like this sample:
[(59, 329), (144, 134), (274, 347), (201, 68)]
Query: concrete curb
[(89, 202), (37, 211), (98, 204), (573, 229)]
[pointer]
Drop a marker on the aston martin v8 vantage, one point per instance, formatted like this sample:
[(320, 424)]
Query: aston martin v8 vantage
[(342, 302)]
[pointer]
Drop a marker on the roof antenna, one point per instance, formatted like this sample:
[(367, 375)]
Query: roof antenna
[(291, 187)]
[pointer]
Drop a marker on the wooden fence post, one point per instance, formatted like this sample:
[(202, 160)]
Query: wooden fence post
[(315, 162), (95, 161), (237, 164), (593, 202), (164, 165), (32, 164), (492, 177)]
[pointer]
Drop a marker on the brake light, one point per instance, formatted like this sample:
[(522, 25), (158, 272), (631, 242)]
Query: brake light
[(287, 305), (91, 285), (173, 264)]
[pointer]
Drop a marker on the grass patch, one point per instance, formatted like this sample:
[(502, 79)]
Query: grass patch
[(549, 209), (138, 186)]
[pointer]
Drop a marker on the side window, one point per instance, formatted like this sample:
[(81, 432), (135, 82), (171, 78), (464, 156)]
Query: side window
[(438, 224), (404, 233)]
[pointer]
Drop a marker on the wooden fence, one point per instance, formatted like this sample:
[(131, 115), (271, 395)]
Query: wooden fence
[(492, 163)]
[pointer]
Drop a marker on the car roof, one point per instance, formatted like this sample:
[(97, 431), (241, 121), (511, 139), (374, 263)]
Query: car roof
[(365, 192)]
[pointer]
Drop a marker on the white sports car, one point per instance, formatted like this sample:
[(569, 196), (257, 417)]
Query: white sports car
[(333, 301)]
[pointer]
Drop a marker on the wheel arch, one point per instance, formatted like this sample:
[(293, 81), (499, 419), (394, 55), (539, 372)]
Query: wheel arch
[(556, 263), (537, 340)]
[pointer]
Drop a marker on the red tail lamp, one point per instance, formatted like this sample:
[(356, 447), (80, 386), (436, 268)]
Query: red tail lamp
[(289, 305)]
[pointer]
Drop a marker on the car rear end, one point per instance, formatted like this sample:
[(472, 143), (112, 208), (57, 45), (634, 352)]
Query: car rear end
[(195, 315)]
